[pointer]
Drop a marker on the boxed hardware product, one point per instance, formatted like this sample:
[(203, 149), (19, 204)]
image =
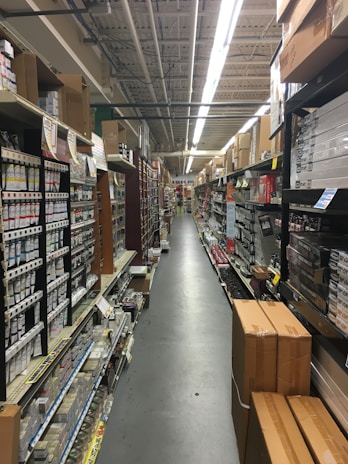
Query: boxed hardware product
[(266, 188), (10, 415), (325, 440), (254, 356), (273, 435), (315, 246), (294, 18), (293, 349), (261, 143), (242, 141), (329, 377), (312, 47)]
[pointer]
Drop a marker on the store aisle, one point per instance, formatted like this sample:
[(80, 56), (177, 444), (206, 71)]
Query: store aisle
[(173, 402)]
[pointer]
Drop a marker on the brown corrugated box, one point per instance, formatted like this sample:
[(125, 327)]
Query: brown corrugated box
[(75, 101), (243, 159), (312, 47), (9, 433), (110, 137), (32, 76), (254, 354), (262, 134), (324, 439), (273, 435), (295, 17), (293, 352)]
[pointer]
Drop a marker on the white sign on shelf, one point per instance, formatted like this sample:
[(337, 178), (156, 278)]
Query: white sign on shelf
[(104, 307), (49, 136), (71, 139)]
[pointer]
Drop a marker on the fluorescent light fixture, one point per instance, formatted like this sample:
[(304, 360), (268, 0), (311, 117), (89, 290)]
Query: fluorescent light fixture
[(189, 164), (247, 125), (210, 162), (229, 143), (228, 16)]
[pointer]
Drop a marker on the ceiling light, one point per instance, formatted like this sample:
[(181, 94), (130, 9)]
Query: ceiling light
[(189, 164), (228, 16), (248, 125)]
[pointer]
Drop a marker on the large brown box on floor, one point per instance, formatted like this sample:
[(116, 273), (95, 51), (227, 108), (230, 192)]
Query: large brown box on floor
[(273, 435), (143, 285), (9, 433), (324, 439), (293, 351), (32, 76), (75, 102), (254, 356), (312, 47)]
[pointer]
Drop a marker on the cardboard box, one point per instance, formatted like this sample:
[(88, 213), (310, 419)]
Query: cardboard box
[(243, 141), (295, 17), (293, 351), (228, 161), (9, 433), (143, 285), (273, 435), (33, 76), (75, 100), (266, 188), (261, 135), (283, 8), (254, 356), (312, 47), (110, 132), (243, 158), (340, 19), (325, 441)]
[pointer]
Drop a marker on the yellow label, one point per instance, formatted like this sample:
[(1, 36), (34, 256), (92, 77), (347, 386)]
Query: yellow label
[(274, 163), (276, 279)]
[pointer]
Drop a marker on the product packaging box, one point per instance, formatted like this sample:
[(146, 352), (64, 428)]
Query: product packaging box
[(325, 440), (273, 435), (243, 141), (33, 76), (283, 8), (261, 143), (312, 47), (75, 102), (295, 17), (254, 356), (340, 19), (110, 137), (9, 433), (266, 188), (329, 377), (243, 158), (228, 161), (143, 285), (293, 351)]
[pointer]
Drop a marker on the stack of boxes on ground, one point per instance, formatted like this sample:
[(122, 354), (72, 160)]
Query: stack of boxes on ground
[(271, 403)]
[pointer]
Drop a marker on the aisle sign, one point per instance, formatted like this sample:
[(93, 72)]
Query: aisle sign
[(49, 137), (326, 198), (71, 139)]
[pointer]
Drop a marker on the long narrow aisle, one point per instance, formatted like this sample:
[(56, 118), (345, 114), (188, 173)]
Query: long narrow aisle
[(173, 402)]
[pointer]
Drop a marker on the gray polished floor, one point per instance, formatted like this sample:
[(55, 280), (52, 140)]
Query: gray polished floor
[(173, 402)]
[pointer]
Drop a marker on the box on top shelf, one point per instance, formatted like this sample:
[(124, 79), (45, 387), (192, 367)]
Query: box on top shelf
[(325, 440), (33, 76), (293, 351), (114, 137), (283, 8), (242, 141), (295, 17), (261, 143), (273, 435), (75, 101), (254, 357), (312, 47)]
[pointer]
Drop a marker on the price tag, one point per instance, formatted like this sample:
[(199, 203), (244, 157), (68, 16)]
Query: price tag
[(104, 307), (326, 198), (274, 163), (276, 279)]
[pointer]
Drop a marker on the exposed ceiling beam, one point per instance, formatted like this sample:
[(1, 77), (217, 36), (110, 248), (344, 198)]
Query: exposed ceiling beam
[(238, 40), (223, 78), (191, 116), (244, 12)]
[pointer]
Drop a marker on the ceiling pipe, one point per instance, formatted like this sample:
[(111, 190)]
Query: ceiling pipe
[(141, 57), (159, 61), (241, 104), (193, 37)]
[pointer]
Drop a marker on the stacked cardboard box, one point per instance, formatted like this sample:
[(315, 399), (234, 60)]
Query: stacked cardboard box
[(322, 435), (273, 435), (309, 44), (10, 417), (320, 160), (254, 348), (260, 143), (242, 150)]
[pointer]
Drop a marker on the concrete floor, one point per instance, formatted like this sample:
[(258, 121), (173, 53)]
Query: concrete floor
[(173, 402)]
